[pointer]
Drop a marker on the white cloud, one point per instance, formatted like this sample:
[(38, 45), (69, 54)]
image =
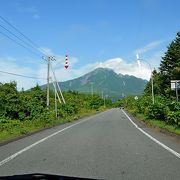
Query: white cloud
[(32, 67), (40, 70), (148, 47), (10, 64), (116, 64)]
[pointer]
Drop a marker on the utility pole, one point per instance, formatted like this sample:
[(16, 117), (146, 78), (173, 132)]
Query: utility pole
[(55, 83), (104, 102), (92, 89), (58, 85), (55, 93), (106, 96), (102, 94), (48, 68), (152, 86), (48, 59)]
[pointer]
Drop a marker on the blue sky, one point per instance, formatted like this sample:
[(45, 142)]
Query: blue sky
[(91, 32)]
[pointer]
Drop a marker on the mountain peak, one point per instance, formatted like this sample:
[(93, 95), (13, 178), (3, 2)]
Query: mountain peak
[(103, 69), (107, 81), (100, 70)]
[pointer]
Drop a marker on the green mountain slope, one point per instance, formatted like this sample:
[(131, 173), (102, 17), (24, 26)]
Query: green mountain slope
[(104, 80)]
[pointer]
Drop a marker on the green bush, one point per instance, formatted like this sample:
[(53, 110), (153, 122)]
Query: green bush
[(31, 105), (156, 111), (143, 103), (7, 124), (173, 117), (70, 108), (163, 109), (119, 103), (95, 102), (174, 105)]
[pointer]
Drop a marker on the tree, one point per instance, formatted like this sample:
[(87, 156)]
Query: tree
[(156, 80), (170, 66), (9, 100)]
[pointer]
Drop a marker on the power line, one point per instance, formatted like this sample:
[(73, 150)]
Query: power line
[(21, 39), (27, 38), (21, 75), (20, 44)]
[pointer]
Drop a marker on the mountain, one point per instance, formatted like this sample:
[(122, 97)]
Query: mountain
[(105, 80)]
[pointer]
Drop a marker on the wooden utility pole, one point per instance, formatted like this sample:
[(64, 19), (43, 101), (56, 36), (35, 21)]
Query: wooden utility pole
[(49, 59), (48, 68)]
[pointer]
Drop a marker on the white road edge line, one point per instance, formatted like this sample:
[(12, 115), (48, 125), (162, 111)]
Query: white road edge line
[(40, 141), (152, 138)]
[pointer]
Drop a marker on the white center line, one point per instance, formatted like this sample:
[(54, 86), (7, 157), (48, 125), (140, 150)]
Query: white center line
[(152, 138)]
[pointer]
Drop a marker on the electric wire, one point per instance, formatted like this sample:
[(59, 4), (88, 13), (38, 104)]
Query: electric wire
[(27, 38), (19, 44), (21, 75), (28, 44)]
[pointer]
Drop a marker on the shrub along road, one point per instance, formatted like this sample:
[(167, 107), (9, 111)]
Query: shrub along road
[(105, 146)]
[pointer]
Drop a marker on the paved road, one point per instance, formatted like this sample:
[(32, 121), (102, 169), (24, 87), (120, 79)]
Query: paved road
[(104, 146)]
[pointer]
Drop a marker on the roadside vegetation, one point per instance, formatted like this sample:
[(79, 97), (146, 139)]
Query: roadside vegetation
[(165, 112), (22, 112)]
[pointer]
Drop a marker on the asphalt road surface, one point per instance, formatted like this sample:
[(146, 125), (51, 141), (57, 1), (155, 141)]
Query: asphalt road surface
[(105, 146)]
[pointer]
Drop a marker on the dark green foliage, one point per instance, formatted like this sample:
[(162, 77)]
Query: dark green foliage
[(173, 117), (69, 108), (95, 102), (33, 102), (108, 103), (10, 104), (169, 70), (118, 104), (174, 106), (171, 61), (156, 83), (20, 105), (156, 111), (47, 116), (31, 105), (164, 109)]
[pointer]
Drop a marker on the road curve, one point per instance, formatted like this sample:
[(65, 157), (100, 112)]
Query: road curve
[(104, 146)]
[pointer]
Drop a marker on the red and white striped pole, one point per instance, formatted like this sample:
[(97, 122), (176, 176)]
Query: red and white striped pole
[(66, 62)]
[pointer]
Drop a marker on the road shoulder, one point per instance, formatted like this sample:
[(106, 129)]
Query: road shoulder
[(170, 139)]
